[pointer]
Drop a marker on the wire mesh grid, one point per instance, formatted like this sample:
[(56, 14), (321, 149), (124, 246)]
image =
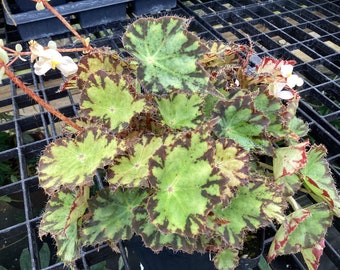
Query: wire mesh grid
[(304, 30)]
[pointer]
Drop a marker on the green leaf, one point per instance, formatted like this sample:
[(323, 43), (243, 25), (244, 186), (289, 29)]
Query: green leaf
[(180, 110), (312, 255), (273, 108), (68, 244), (132, 169), (302, 229), (25, 260), (109, 99), (240, 121), (100, 60), (232, 161), (292, 184), (62, 210), (167, 54), (186, 185), (317, 178), (289, 160), (226, 259), (44, 256), (112, 214), (259, 203), (155, 239), (72, 162)]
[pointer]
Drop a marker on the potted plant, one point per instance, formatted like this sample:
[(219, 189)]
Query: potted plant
[(197, 148)]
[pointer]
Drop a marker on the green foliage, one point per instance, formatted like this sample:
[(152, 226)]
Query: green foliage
[(168, 55), (112, 214), (194, 150)]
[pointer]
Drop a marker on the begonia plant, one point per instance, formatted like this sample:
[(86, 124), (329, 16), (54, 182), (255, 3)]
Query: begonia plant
[(197, 147)]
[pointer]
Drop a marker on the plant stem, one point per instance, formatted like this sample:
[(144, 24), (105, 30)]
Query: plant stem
[(69, 26), (265, 166), (293, 203), (38, 99)]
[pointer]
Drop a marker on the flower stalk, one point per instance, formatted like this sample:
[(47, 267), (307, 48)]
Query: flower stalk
[(36, 98)]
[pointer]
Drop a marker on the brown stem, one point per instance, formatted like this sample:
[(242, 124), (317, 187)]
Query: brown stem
[(69, 27), (35, 97)]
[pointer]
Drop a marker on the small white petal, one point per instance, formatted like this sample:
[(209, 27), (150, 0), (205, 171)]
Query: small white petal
[(299, 81), (292, 80), (52, 45), (286, 70), (237, 82), (285, 95), (41, 67), (67, 66)]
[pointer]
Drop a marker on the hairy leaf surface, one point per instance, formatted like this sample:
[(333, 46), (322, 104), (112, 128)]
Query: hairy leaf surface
[(112, 214), (317, 178), (101, 60), (257, 202), (133, 169), (186, 185), (180, 110), (156, 240), (109, 99), (304, 228), (232, 160), (72, 162), (289, 160), (167, 54), (61, 219), (240, 121)]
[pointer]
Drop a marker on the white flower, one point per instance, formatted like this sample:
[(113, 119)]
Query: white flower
[(277, 89), (50, 59), (292, 79)]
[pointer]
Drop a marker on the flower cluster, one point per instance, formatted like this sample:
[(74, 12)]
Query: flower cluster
[(49, 58), (284, 89)]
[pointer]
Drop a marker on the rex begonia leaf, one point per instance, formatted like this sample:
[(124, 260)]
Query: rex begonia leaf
[(187, 186), (273, 108), (312, 255), (97, 60), (112, 214), (109, 98), (317, 178), (240, 121), (253, 206), (289, 160), (226, 259), (232, 161), (156, 240), (132, 169), (180, 110), (61, 217), (62, 210), (292, 184), (72, 162), (167, 55), (304, 228), (68, 244), (296, 126)]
